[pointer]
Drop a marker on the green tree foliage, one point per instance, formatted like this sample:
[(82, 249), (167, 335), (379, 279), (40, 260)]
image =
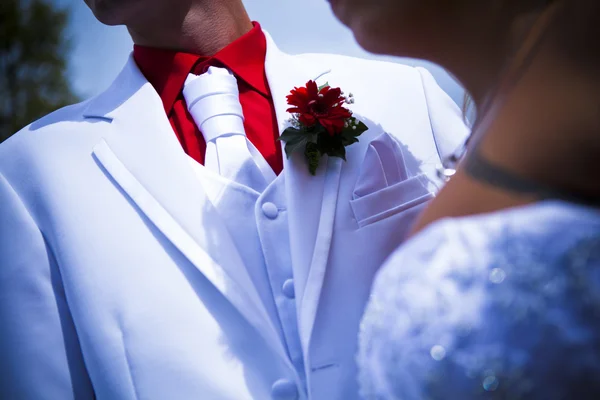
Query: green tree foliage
[(33, 62)]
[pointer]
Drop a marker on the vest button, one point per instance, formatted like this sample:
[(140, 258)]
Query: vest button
[(288, 289), (270, 210), (284, 389)]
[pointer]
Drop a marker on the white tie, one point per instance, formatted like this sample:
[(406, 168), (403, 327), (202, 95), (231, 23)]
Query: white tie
[(213, 101)]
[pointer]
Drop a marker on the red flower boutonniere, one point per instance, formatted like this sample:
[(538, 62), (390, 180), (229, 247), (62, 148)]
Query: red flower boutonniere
[(320, 123)]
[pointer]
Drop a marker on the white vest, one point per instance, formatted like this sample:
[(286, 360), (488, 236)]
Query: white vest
[(260, 231)]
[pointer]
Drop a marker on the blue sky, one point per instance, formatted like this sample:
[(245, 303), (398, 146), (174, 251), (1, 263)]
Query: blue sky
[(100, 51)]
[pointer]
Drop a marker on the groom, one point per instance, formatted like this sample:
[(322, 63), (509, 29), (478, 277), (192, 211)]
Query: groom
[(147, 253)]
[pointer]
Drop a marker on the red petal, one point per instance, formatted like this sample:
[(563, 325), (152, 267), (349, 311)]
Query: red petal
[(312, 90), (331, 97), (307, 119), (298, 97), (297, 110), (340, 112), (332, 125), (327, 125)]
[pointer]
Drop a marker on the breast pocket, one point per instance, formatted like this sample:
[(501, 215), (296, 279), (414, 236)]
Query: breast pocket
[(385, 187)]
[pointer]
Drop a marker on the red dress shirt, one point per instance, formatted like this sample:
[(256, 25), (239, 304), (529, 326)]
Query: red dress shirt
[(167, 71)]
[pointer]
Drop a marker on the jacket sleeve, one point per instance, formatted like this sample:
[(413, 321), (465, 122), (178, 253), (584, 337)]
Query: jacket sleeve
[(40, 357), (447, 122)]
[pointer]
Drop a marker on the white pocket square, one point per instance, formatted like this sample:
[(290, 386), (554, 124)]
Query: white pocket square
[(385, 187), (383, 166)]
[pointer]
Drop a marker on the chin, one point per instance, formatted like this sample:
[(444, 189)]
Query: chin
[(109, 20), (370, 44), (386, 40), (369, 39), (108, 12)]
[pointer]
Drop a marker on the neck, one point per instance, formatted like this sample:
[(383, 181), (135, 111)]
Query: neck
[(548, 129), (479, 81), (194, 26), (482, 49), (546, 132)]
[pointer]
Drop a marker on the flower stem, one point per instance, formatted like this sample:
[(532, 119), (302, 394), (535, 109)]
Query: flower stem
[(313, 155)]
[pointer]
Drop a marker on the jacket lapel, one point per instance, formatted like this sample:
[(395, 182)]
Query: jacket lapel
[(141, 154), (307, 195)]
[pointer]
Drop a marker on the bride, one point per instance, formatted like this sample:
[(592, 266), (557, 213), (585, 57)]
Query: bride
[(497, 295)]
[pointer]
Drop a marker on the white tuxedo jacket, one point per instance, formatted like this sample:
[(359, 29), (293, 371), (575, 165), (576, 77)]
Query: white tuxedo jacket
[(118, 279)]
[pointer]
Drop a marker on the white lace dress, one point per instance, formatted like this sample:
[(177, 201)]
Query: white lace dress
[(499, 306)]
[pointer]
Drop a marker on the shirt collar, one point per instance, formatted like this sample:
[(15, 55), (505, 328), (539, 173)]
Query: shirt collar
[(167, 70)]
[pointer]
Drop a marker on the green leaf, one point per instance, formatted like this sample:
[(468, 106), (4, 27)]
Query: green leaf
[(349, 140), (295, 145), (326, 84), (312, 138), (317, 131), (360, 128), (350, 134), (338, 152), (291, 134)]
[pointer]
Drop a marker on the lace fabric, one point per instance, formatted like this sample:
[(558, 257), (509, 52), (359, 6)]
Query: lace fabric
[(501, 306)]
